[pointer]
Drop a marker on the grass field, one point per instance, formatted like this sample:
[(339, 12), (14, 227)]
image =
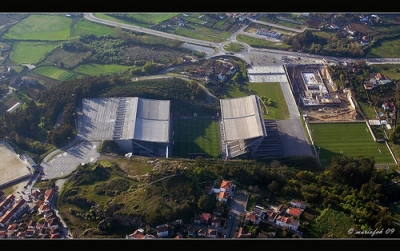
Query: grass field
[(350, 139), (41, 27), (55, 73), (196, 136), (85, 27), (258, 42), (152, 18), (97, 69), (30, 52), (389, 48), (235, 47), (278, 109)]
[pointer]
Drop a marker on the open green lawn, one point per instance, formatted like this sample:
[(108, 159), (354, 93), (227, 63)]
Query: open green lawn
[(278, 109), (389, 48), (30, 52), (152, 18), (350, 139), (97, 69), (196, 136), (258, 42), (41, 27), (235, 47), (367, 110), (85, 27), (55, 73)]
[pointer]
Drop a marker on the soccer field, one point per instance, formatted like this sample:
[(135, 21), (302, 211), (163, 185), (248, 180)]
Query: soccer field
[(350, 139), (196, 136)]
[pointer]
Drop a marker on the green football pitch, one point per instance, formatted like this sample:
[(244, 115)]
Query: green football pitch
[(196, 136), (350, 139)]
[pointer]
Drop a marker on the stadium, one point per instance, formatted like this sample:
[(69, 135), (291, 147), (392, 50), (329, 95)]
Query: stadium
[(139, 126), (242, 126), (143, 127)]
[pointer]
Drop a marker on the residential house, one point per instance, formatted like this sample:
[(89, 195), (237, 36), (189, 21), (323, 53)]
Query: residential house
[(2, 195), (223, 196), (296, 212), (205, 218), (53, 223), (43, 209), (3, 234), (385, 106), (271, 215), (6, 203), (12, 228), (36, 194), (201, 233), (191, 231), (287, 222), (259, 211), (21, 235), (162, 231), (218, 211), (212, 233), (48, 195), (30, 233), (298, 204), (16, 210), (137, 234), (216, 221), (252, 217)]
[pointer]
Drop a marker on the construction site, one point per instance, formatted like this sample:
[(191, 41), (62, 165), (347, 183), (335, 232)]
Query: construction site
[(315, 94)]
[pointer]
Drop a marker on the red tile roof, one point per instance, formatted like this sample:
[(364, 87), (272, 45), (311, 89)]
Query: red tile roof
[(295, 211), (226, 184)]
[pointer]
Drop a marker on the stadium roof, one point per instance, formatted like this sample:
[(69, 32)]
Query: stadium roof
[(241, 118), (126, 118)]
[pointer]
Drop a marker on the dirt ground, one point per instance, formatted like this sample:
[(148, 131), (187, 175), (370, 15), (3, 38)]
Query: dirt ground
[(333, 114)]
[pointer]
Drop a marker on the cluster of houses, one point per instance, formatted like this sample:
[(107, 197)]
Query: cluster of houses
[(284, 217), (17, 221), (204, 225), (376, 81)]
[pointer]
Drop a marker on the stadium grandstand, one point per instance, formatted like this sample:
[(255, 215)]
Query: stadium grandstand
[(242, 126), (139, 126)]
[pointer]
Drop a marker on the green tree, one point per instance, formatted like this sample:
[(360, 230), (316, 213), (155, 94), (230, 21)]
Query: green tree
[(207, 203)]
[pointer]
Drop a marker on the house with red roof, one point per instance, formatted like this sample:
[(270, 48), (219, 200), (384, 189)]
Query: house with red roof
[(252, 217), (298, 204), (294, 212), (223, 196), (3, 234), (48, 195), (6, 204), (226, 186)]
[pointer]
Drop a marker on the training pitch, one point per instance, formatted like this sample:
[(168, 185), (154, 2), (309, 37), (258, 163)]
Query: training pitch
[(350, 139), (196, 136)]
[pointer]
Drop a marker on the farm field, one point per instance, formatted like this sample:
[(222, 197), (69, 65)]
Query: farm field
[(278, 109), (350, 139), (46, 27), (385, 49), (30, 52), (55, 73), (196, 136), (68, 59), (98, 69), (84, 27)]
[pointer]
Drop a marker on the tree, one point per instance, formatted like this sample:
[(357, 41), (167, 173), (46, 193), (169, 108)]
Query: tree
[(274, 187), (207, 203), (150, 68)]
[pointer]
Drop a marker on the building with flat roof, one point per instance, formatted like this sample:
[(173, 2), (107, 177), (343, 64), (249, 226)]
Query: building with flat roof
[(138, 125), (242, 126)]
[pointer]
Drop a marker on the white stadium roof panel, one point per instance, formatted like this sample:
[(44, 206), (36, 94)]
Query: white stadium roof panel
[(241, 118), (126, 118), (151, 130)]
